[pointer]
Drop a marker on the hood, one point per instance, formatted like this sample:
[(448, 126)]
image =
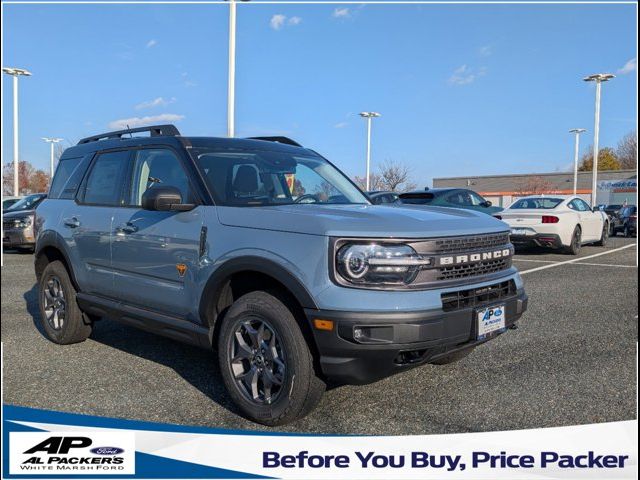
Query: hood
[(362, 220), (17, 214)]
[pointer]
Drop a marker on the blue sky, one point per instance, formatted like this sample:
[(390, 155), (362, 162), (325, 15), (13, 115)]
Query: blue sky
[(463, 89)]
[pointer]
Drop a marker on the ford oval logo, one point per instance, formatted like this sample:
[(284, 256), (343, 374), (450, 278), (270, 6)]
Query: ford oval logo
[(107, 450)]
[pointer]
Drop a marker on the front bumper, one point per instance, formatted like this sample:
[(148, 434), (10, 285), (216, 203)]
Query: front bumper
[(18, 238), (546, 240), (391, 342)]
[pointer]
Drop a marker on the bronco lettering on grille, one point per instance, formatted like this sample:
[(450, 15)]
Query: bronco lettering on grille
[(473, 257)]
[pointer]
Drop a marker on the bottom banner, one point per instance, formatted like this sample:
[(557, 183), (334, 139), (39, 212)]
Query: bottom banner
[(46, 444)]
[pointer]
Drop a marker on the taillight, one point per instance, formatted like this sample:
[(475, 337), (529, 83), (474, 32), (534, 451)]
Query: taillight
[(550, 219)]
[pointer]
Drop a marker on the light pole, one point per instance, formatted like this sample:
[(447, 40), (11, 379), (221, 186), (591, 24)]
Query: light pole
[(598, 78), (577, 132), (15, 73), (231, 85), (52, 141), (368, 116)]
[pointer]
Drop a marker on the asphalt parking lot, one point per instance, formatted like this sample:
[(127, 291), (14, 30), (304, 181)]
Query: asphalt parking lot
[(572, 361)]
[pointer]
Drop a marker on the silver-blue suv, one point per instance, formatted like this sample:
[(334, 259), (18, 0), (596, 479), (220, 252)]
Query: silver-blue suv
[(264, 251)]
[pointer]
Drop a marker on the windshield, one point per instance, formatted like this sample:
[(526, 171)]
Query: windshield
[(27, 203), (260, 178), (537, 203)]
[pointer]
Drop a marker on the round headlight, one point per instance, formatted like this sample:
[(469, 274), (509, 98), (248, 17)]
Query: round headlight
[(355, 262)]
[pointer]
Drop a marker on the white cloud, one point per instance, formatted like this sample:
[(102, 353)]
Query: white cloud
[(464, 75), (630, 66), (142, 121), (341, 12), (277, 21), (156, 102), (152, 43), (340, 125), (485, 51)]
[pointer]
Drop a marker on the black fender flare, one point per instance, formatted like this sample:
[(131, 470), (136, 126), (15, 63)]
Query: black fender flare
[(51, 238), (260, 265)]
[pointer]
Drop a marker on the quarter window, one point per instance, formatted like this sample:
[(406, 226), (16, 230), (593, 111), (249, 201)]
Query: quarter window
[(104, 184), (578, 205)]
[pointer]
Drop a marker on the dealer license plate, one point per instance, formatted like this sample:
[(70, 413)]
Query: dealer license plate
[(491, 320), (519, 231)]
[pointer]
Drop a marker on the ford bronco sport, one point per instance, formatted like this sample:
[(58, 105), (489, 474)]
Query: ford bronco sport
[(266, 252)]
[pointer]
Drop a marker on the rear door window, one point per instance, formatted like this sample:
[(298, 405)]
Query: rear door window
[(106, 179)]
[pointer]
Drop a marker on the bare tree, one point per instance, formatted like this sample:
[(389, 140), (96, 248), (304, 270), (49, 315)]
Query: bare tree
[(534, 186), (375, 182), (628, 151), (395, 177)]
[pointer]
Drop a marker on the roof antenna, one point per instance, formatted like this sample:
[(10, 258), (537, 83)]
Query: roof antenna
[(129, 128)]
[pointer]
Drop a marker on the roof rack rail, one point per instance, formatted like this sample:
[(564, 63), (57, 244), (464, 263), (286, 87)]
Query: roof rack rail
[(285, 140), (154, 131)]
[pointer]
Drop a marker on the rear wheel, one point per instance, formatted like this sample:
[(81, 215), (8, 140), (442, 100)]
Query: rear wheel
[(60, 316), (265, 361), (604, 236), (576, 242)]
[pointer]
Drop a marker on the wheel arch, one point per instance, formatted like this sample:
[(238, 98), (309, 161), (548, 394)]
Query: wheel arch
[(49, 248), (257, 273)]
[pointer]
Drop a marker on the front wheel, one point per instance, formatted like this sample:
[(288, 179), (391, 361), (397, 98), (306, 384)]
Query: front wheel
[(265, 361), (60, 315), (576, 242)]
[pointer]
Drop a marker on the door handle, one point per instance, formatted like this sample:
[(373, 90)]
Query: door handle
[(72, 222), (127, 228)]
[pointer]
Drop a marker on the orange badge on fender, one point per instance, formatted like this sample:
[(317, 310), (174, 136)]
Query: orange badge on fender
[(182, 268)]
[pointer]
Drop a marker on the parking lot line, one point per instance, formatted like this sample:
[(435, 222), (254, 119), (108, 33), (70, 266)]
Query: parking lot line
[(575, 260), (606, 265), (532, 260)]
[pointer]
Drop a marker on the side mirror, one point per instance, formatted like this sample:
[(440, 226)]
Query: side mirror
[(164, 199), (487, 203)]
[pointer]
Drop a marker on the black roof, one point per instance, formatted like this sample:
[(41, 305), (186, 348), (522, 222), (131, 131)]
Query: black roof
[(169, 135)]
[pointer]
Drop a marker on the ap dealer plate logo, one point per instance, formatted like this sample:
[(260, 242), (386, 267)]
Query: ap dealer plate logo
[(71, 453)]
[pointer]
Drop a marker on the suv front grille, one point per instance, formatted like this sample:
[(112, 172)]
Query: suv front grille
[(462, 246), (477, 296), (473, 242), (472, 270)]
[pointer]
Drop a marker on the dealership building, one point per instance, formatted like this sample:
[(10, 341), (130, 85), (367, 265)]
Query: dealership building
[(617, 186)]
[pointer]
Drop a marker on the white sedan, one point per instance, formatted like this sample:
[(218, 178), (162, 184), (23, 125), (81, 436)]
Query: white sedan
[(556, 221)]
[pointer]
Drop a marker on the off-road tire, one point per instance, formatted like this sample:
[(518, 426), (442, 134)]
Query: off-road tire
[(300, 390), (453, 357), (75, 327), (576, 242)]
